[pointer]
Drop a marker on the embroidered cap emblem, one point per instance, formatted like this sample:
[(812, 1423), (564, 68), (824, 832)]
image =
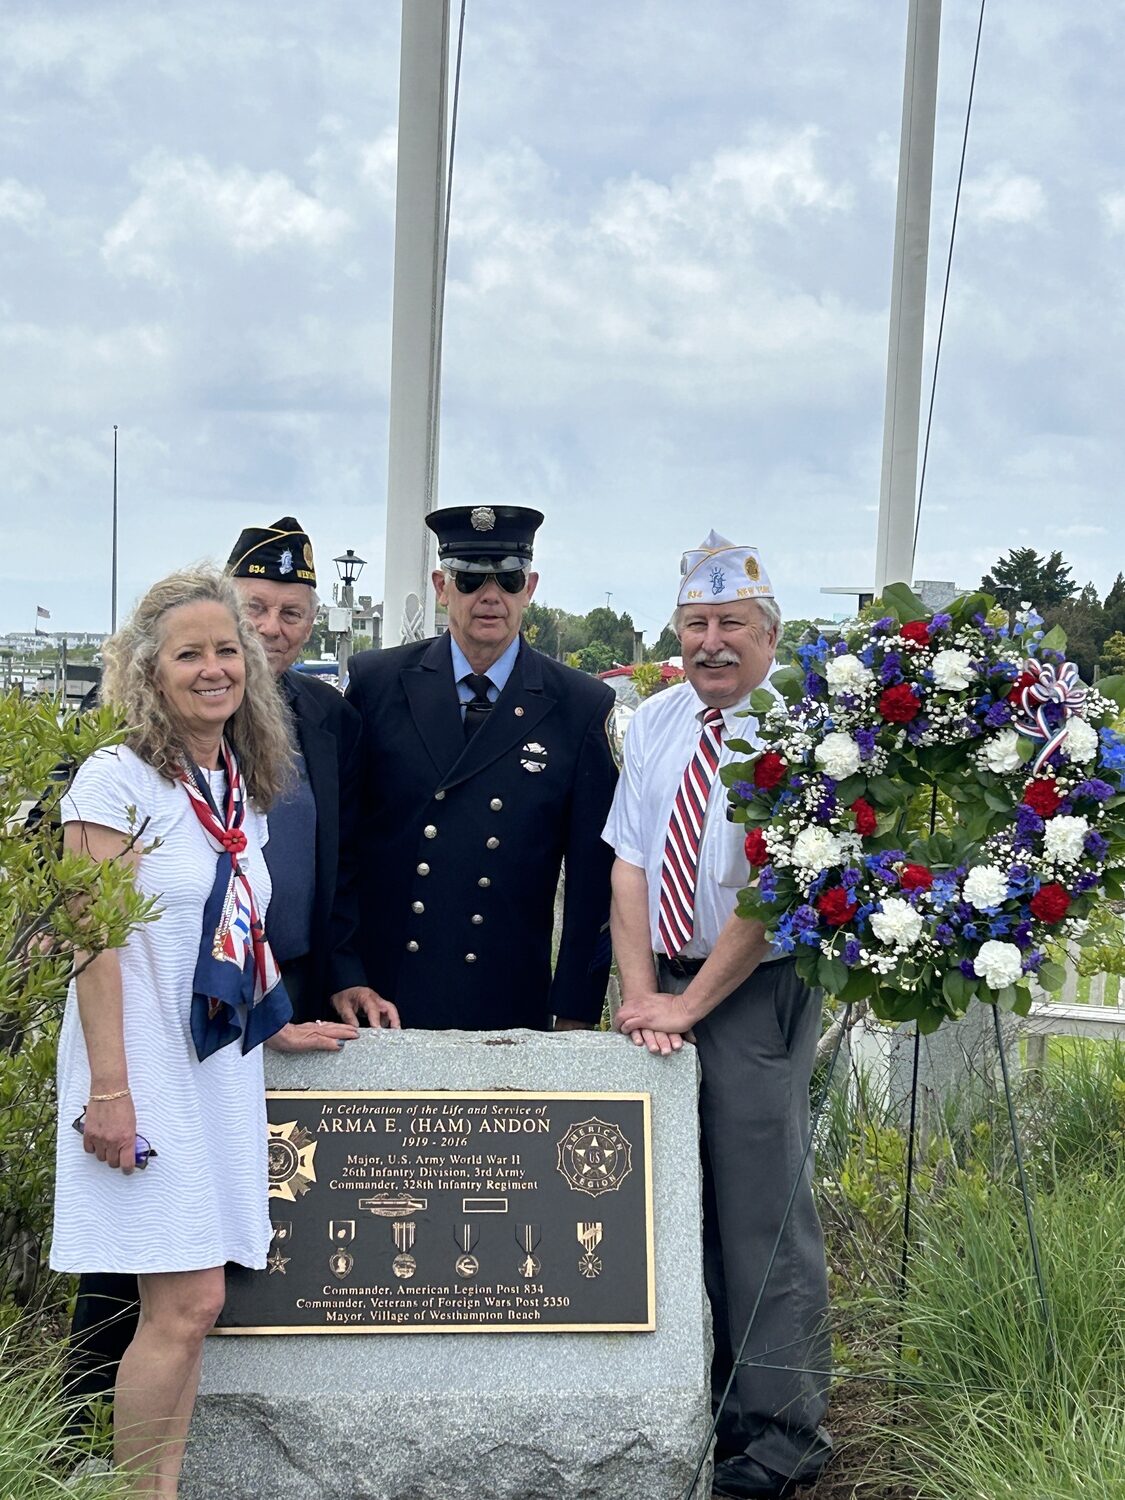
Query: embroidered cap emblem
[(286, 563), (753, 569), (483, 517)]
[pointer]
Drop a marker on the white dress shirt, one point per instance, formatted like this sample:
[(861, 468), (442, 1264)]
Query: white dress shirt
[(661, 739)]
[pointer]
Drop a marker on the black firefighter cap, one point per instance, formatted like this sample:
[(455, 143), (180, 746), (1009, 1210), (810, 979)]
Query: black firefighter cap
[(281, 552), (488, 531)]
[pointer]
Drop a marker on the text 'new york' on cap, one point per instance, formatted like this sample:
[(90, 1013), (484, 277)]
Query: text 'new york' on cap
[(720, 572)]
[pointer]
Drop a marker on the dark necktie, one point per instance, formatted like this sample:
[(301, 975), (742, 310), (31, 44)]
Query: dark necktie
[(478, 708)]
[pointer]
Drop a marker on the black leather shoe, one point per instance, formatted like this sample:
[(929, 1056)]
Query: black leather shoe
[(744, 1478)]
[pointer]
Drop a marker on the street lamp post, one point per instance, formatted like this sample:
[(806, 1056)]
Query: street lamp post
[(349, 567)]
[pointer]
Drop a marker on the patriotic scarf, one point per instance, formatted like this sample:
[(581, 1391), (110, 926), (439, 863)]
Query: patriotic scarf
[(235, 966)]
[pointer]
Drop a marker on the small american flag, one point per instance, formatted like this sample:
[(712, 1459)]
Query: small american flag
[(41, 613)]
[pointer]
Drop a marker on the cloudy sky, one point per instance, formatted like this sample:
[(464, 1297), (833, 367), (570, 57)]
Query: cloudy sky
[(668, 286)]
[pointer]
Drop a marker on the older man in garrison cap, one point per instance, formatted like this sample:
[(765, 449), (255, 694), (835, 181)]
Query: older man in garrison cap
[(689, 964), (312, 852), (485, 765)]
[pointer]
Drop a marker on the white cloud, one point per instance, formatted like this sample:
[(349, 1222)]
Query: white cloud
[(1005, 197), (189, 201), (1113, 206), (20, 205)]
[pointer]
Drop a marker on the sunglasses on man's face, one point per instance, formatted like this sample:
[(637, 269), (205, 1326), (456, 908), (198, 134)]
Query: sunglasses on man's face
[(511, 580), (142, 1151)]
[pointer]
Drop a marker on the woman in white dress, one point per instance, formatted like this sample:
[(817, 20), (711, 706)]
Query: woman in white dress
[(160, 1068)]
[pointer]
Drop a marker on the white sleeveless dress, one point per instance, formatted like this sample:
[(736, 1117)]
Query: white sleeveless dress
[(203, 1200)]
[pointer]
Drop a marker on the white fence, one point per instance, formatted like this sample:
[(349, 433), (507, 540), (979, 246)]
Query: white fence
[(1100, 1015)]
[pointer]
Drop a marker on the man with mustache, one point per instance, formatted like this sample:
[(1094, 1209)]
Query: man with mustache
[(691, 968)]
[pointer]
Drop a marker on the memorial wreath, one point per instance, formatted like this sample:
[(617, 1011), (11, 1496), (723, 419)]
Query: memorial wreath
[(937, 804)]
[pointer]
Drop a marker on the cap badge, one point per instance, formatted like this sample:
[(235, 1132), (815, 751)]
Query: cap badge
[(285, 565), (483, 518), (753, 569), (308, 555), (718, 580)]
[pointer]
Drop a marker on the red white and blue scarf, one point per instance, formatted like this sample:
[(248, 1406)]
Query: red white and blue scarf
[(235, 967)]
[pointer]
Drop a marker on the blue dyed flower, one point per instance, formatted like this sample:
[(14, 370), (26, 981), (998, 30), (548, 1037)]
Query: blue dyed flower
[(1112, 757), (865, 739), (998, 715), (851, 952), (1099, 790), (891, 670), (940, 622), (1095, 845)]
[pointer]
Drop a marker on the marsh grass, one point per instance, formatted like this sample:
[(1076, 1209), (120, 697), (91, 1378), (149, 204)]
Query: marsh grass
[(38, 1454)]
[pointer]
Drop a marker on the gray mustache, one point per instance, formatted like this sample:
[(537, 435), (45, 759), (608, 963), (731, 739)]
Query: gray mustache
[(725, 658)]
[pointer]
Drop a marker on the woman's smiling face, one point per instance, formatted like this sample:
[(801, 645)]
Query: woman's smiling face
[(200, 671)]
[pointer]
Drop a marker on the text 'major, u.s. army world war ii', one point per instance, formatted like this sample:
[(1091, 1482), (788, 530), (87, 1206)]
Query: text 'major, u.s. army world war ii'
[(443, 1212)]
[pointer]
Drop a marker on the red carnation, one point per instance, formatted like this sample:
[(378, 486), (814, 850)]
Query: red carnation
[(898, 704), (1042, 796), (865, 821), (916, 878), (755, 846), (769, 770), (1024, 680), (1050, 903), (836, 906), (917, 633)]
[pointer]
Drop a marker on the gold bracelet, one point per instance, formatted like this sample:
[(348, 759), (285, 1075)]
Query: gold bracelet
[(105, 1098)]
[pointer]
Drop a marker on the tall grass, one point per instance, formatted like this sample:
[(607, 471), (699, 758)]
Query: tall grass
[(38, 1455), (990, 1400)]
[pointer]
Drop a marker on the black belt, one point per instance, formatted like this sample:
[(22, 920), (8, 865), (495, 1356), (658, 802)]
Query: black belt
[(682, 968)]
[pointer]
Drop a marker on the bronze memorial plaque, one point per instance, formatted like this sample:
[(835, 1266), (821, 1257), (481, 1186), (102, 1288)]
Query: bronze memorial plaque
[(443, 1212)]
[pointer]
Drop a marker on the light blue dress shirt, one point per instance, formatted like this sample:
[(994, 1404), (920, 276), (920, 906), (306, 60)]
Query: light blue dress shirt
[(498, 673)]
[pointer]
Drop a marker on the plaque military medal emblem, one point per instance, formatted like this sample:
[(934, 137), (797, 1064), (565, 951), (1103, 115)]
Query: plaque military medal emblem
[(404, 1265), (341, 1232), (282, 1233), (528, 1237), (466, 1263), (595, 1157), (589, 1237), (290, 1155)]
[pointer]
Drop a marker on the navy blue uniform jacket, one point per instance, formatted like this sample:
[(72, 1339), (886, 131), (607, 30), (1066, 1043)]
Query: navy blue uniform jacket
[(462, 841), (328, 732)]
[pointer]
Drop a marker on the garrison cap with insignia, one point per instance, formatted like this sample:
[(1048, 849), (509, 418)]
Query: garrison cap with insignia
[(497, 534), (281, 552), (721, 572)]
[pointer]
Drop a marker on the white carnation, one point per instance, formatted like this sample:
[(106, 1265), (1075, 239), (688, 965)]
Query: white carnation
[(816, 849), (1081, 743), (897, 923), (1064, 838), (847, 674), (951, 670), (986, 886), (1000, 754), (998, 964), (838, 755)]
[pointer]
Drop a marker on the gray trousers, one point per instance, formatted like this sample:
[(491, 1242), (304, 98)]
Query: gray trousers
[(756, 1055)]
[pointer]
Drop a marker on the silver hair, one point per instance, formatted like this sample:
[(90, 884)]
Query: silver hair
[(770, 609)]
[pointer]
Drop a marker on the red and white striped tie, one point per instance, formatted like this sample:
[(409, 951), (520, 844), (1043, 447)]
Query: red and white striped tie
[(685, 828)]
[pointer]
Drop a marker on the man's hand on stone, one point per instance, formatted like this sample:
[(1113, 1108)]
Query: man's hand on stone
[(361, 1000), (657, 1021)]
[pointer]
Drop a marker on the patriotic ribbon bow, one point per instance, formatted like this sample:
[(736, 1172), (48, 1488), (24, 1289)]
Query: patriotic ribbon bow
[(1049, 697), (235, 967)]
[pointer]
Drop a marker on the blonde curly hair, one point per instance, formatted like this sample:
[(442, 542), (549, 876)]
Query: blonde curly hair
[(257, 730)]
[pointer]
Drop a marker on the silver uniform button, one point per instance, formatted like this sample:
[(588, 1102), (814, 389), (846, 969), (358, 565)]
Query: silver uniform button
[(484, 882), (476, 919), (417, 906), (423, 869), (470, 958), (492, 844), (412, 946), (430, 831), (496, 804), (439, 796)]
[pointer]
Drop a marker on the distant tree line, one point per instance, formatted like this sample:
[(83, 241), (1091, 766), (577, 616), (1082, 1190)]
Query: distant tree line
[(1095, 628)]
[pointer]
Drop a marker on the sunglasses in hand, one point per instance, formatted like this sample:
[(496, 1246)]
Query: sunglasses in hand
[(142, 1151)]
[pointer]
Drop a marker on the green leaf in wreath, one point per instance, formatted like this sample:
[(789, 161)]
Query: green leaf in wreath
[(832, 974), (929, 1019), (1022, 1003), (1052, 976), (903, 603), (1112, 687), (956, 989), (884, 792), (1054, 640), (1027, 749), (1005, 998), (848, 790), (790, 683), (761, 701)]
